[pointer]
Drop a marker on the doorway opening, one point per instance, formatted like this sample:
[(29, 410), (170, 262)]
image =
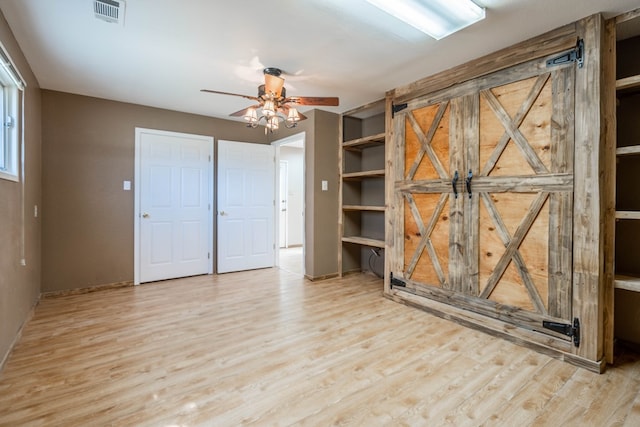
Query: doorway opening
[(290, 218)]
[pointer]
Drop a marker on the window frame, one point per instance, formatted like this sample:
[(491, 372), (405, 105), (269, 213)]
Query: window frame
[(11, 87)]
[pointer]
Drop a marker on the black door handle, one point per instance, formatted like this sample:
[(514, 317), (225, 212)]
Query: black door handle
[(454, 183), (468, 181)]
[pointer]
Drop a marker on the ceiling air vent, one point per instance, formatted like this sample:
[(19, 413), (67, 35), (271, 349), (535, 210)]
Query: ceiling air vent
[(109, 10)]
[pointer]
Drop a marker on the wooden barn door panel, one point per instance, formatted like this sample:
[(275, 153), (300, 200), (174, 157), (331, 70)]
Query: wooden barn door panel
[(504, 248), (525, 175), (427, 202)]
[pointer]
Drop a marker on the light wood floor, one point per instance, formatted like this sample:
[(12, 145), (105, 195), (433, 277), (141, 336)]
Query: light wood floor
[(269, 348)]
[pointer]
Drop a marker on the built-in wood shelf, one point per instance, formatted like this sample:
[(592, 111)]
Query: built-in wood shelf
[(367, 241), (378, 173), (364, 142), (627, 214), (363, 208), (361, 162), (632, 82), (629, 283), (628, 151)]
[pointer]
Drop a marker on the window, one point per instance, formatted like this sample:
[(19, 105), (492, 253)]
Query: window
[(11, 87)]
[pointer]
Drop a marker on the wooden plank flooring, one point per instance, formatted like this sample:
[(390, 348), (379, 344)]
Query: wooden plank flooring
[(270, 348)]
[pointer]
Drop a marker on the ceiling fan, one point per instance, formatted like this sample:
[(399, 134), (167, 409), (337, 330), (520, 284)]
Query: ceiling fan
[(273, 103)]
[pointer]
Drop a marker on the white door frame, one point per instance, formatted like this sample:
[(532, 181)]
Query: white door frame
[(277, 144), (285, 164), (136, 205)]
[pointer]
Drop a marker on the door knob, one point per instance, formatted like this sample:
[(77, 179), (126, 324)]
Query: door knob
[(145, 215), (222, 213)]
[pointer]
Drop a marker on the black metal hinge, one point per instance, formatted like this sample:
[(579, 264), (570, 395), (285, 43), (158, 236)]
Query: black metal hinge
[(397, 282), (566, 329), (575, 55), (397, 107)]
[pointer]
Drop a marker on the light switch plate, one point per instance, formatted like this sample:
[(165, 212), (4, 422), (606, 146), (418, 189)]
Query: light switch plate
[(126, 185), (325, 185)]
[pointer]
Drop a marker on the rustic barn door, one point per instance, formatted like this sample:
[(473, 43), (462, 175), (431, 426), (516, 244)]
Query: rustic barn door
[(487, 190), (428, 207)]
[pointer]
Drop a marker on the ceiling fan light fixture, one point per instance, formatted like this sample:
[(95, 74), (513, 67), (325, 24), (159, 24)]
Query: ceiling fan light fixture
[(436, 18), (269, 108), (251, 116), (293, 116)]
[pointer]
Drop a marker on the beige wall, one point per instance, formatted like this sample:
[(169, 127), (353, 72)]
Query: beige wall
[(325, 225), (88, 151), (20, 285)]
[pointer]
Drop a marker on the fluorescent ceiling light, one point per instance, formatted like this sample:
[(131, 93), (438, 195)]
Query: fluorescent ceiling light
[(437, 18)]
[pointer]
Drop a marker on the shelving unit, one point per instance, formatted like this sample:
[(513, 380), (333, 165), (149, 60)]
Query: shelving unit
[(362, 178), (627, 217), (627, 210), (628, 166)]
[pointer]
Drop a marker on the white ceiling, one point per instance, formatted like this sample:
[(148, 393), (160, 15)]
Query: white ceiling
[(168, 50)]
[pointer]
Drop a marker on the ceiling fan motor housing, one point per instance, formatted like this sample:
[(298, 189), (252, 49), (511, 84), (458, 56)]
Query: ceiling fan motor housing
[(273, 71), (262, 92)]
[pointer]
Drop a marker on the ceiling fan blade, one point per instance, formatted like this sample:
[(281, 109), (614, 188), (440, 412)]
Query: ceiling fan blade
[(253, 98), (273, 84), (243, 112), (284, 109), (313, 100)]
